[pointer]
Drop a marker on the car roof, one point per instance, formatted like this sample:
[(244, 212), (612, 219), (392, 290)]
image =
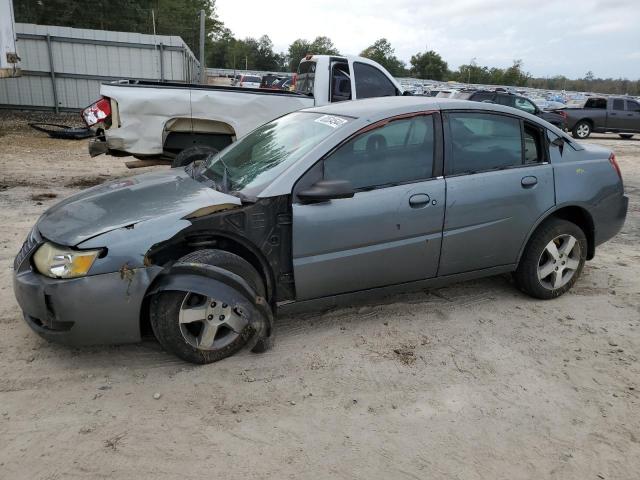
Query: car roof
[(374, 109)]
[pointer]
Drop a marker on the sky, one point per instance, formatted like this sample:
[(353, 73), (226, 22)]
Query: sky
[(552, 37)]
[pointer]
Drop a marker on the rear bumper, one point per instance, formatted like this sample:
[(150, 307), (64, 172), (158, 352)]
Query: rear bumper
[(611, 217), (98, 309)]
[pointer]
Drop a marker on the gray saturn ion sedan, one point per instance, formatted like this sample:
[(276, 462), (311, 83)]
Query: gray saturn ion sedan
[(320, 206)]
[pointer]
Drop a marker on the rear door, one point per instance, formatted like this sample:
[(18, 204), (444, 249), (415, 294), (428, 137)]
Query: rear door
[(390, 231), (499, 182), (617, 115), (633, 115)]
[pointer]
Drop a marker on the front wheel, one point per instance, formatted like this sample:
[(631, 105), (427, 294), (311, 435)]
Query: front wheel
[(553, 259), (581, 130), (205, 329)]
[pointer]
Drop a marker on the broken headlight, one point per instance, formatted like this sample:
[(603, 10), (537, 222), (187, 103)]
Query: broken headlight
[(60, 262)]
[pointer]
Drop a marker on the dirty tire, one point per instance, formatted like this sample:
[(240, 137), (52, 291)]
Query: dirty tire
[(165, 309), (192, 154), (581, 130), (626, 136), (526, 276)]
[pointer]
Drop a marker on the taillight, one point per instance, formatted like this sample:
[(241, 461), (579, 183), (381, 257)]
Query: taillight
[(562, 113), (97, 112), (614, 164)]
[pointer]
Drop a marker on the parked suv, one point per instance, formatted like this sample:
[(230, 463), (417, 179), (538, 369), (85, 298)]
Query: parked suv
[(515, 101), (319, 207)]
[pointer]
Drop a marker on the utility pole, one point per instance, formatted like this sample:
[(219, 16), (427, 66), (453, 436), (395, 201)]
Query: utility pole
[(203, 73)]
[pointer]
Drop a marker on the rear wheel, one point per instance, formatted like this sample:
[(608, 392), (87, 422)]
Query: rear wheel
[(553, 259), (626, 136), (193, 154), (582, 129), (200, 328)]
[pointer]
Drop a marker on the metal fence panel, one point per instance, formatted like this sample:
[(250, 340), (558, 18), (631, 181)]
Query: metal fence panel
[(83, 58)]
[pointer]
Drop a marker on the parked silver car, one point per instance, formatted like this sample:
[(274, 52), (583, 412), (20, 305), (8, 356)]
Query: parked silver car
[(317, 207)]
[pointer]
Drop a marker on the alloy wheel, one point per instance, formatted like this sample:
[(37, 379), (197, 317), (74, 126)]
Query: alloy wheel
[(559, 262), (209, 324), (583, 130)]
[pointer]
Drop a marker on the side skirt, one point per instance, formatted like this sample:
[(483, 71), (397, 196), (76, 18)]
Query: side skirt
[(323, 303)]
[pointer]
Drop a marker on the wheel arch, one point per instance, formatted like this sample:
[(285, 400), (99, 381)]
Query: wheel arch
[(167, 255), (574, 213)]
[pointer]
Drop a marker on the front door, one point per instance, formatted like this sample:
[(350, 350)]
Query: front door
[(390, 231), (499, 182), (617, 116)]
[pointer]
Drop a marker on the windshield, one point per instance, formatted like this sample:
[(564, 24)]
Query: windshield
[(306, 77), (266, 152)]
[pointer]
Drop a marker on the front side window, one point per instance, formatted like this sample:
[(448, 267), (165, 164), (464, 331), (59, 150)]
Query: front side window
[(618, 104), (525, 105), (371, 82), (401, 151), (481, 141), (262, 155), (633, 106)]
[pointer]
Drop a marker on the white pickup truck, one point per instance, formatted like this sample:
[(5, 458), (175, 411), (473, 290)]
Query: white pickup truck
[(181, 123)]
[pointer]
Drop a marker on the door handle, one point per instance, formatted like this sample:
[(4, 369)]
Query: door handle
[(528, 182), (419, 200)]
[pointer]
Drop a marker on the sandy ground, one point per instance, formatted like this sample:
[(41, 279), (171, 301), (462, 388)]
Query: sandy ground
[(472, 381)]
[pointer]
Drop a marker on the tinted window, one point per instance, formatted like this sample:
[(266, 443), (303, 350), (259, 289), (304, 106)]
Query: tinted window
[(371, 82), (618, 104), (596, 103), (525, 105), (633, 106), (481, 141), (482, 97), (504, 99), (401, 151)]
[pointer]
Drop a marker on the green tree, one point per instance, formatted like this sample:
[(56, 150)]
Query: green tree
[(514, 75), (382, 52), (173, 17), (300, 48), (429, 65)]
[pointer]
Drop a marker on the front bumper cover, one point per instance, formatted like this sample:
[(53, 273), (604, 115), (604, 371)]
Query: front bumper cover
[(97, 309)]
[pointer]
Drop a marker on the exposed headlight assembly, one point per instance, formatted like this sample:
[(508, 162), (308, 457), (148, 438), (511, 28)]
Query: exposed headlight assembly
[(60, 262)]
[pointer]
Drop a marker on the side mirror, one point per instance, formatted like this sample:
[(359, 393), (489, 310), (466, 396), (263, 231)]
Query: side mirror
[(325, 190)]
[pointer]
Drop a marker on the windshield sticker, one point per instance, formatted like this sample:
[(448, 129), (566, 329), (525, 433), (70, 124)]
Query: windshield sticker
[(331, 120)]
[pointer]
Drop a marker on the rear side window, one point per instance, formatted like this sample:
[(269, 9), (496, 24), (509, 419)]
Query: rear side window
[(371, 82), (618, 104), (482, 97), (481, 141), (503, 99), (533, 144), (401, 151)]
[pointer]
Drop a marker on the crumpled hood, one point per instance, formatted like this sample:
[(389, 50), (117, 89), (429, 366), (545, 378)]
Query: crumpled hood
[(125, 202)]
